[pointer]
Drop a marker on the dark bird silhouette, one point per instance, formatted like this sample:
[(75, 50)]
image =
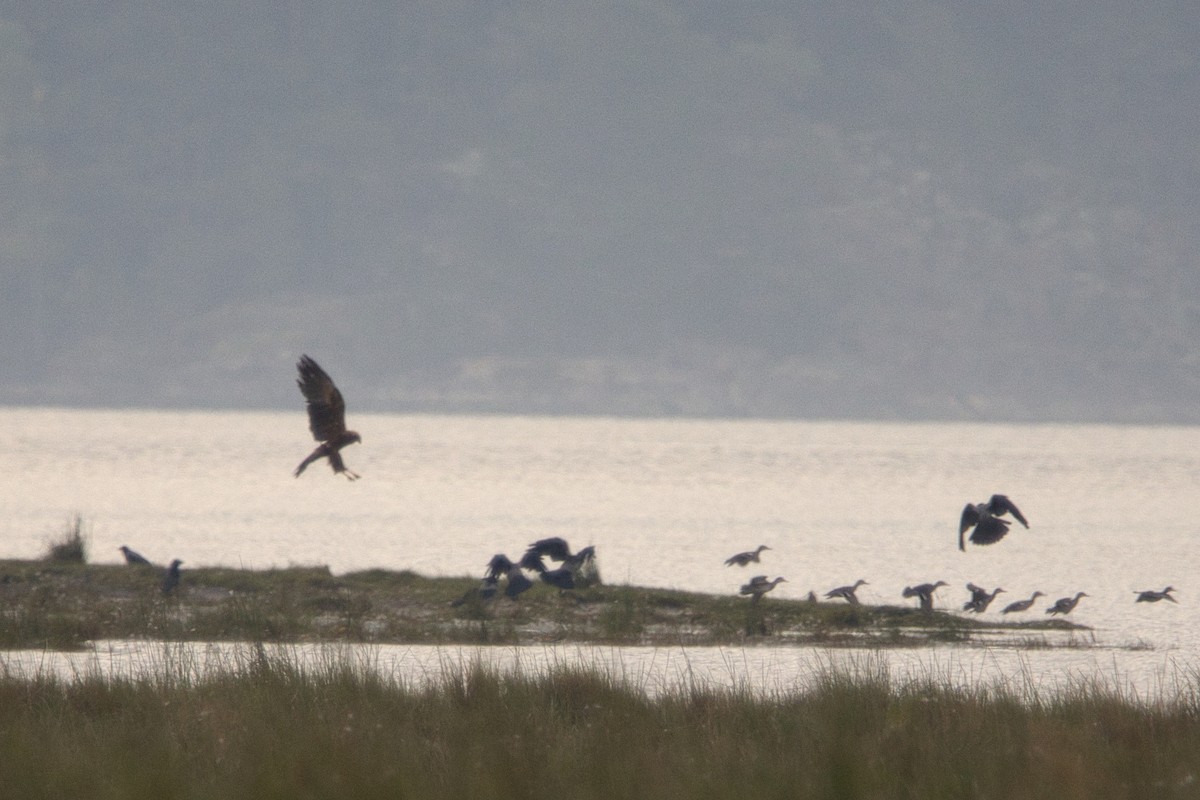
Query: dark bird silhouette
[(581, 565), (924, 593), (758, 586), (133, 557), (986, 519), (980, 598), (171, 578), (1021, 605), (562, 577), (515, 581), (847, 593), (485, 592), (742, 559), (1151, 596), (326, 417), (1066, 605)]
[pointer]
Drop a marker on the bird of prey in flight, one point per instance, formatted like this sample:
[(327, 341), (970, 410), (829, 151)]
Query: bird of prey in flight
[(326, 417)]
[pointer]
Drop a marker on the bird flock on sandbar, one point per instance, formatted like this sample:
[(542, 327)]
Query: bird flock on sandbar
[(983, 523), (987, 523)]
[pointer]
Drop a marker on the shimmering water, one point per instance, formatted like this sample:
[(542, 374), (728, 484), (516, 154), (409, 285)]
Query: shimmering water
[(663, 501)]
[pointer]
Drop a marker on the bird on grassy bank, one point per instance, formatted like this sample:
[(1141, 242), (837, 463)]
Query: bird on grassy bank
[(1151, 596), (561, 577), (1065, 605), (980, 598), (924, 593), (986, 520), (171, 578), (485, 591), (847, 593), (1021, 605), (326, 418), (748, 557), (133, 557), (515, 582), (758, 586), (582, 565)]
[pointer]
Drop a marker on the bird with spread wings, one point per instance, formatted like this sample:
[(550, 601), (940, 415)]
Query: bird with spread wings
[(326, 417)]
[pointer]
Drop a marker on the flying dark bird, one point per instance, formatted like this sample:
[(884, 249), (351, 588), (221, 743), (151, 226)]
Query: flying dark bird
[(326, 417), (562, 577), (171, 578), (515, 580), (1066, 605), (581, 565), (758, 586), (1021, 605), (980, 598), (132, 556), (742, 559), (924, 593), (986, 519), (847, 593), (1151, 596)]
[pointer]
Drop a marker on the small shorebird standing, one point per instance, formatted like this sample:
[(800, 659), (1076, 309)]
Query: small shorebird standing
[(924, 593), (847, 593), (758, 586)]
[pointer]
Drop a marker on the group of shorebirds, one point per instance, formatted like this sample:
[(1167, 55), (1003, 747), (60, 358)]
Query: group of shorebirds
[(988, 525), (987, 522)]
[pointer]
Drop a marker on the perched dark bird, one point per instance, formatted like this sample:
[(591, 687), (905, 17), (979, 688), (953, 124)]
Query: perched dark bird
[(562, 577), (847, 593), (484, 592), (1066, 605), (132, 556), (581, 565), (980, 598), (742, 559), (515, 581), (1021, 605), (171, 578), (758, 586), (986, 520), (326, 417), (924, 593), (1151, 596)]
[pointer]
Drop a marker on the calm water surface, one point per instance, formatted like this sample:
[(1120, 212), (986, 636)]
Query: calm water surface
[(663, 501)]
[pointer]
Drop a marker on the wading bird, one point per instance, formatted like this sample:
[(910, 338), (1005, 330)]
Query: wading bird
[(1151, 596), (132, 556), (847, 593), (986, 520), (924, 593), (1065, 605), (1021, 605), (980, 598), (748, 557), (758, 586), (326, 417), (171, 578)]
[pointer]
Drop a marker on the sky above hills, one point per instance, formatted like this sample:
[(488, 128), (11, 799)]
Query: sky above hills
[(898, 210)]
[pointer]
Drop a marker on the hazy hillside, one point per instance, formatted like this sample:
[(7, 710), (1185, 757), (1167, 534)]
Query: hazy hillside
[(655, 207)]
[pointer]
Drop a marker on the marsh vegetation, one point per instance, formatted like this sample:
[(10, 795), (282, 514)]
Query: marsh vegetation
[(62, 605), (267, 727)]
